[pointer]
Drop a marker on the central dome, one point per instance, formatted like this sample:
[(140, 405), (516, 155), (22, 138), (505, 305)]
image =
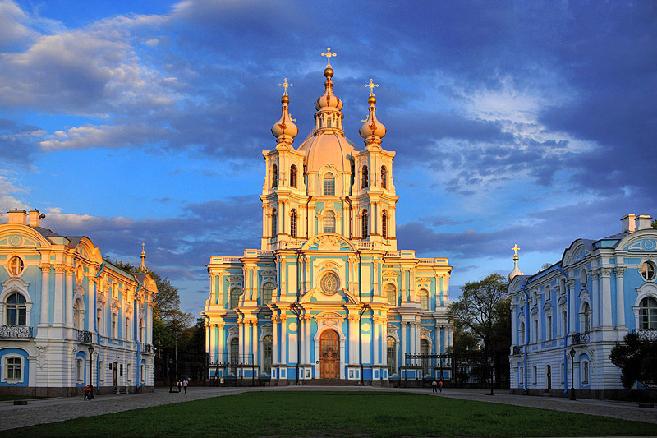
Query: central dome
[(327, 148)]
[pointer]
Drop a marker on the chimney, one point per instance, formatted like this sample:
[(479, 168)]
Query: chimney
[(35, 218), (643, 221), (629, 223), (16, 217)]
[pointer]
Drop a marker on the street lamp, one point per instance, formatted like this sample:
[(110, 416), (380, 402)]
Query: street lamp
[(491, 363), (91, 381), (572, 374)]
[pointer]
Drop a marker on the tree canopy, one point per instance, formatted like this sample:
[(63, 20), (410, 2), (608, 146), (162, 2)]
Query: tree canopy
[(637, 358)]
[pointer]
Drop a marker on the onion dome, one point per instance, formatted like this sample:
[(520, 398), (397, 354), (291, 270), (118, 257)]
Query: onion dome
[(328, 100), (284, 129), (372, 130)]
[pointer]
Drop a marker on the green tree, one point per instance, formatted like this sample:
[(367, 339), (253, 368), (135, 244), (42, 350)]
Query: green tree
[(637, 358), (654, 224)]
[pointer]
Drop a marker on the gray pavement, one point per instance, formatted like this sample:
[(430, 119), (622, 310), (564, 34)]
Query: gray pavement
[(61, 409)]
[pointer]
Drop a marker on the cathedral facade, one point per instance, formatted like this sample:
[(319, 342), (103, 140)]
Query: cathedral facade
[(69, 318), (328, 295)]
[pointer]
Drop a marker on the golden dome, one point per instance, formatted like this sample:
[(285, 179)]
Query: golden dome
[(372, 130), (284, 129)]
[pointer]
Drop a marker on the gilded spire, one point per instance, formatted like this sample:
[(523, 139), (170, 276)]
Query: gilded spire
[(372, 130), (142, 256), (328, 55), (284, 129), (516, 270)]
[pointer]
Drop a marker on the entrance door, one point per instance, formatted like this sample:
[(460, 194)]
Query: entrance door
[(329, 355)]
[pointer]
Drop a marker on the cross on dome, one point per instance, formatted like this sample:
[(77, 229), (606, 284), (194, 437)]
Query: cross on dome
[(285, 85), (328, 55), (371, 86), (515, 249)]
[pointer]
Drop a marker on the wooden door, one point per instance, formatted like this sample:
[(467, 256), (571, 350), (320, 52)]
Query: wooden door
[(329, 355)]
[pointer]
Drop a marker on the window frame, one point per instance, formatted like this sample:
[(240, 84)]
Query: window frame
[(330, 220), (11, 265), (384, 177), (648, 313), (648, 270), (328, 185), (364, 177), (391, 352), (293, 223), (364, 224), (293, 176), (6, 368), (19, 309)]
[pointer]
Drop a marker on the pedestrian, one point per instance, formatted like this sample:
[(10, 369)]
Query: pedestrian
[(185, 382), (179, 385), (434, 386), (441, 383)]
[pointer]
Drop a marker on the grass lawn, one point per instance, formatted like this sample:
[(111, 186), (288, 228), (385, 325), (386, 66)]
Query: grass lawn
[(338, 414)]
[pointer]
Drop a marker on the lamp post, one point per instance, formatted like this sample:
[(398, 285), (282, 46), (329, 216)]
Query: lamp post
[(91, 363), (572, 374), (492, 374)]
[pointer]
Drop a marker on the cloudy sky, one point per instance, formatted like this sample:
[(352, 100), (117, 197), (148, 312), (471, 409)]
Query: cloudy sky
[(524, 122)]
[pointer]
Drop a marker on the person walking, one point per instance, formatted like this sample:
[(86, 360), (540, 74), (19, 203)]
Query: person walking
[(441, 383), (434, 386), (185, 382), (179, 385)]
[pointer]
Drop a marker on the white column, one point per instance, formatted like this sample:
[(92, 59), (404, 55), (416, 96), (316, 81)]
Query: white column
[(284, 341), (450, 339), (255, 340), (307, 343), (596, 308), (69, 298), (620, 297), (384, 342), (350, 339), (219, 355), (376, 339), (59, 296), (606, 297), (207, 341), (275, 343), (403, 341), (90, 305), (240, 335), (45, 271), (572, 311)]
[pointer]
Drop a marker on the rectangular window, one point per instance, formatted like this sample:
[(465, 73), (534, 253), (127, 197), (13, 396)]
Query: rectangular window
[(549, 327), (101, 371), (536, 330), (564, 323), (141, 372), (14, 367), (535, 374), (115, 327), (126, 335), (79, 370)]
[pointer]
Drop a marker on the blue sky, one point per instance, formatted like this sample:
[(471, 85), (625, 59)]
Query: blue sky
[(529, 122)]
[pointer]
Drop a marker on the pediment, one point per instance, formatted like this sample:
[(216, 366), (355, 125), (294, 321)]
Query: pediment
[(328, 242)]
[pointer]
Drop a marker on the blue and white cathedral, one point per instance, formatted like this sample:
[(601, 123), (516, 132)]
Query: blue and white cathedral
[(328, 295), (567, 318)]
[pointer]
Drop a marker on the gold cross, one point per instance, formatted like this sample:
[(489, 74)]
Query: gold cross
[(328, 54), (515, 249), (285, 84), (371, 86)]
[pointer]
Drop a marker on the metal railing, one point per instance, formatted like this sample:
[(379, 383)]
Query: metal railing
[(646, 335), (16, 332), (580, 338), (84, 337)]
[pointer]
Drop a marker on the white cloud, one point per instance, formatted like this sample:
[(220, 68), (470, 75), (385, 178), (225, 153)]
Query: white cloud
[(98, 136), (8, 198)]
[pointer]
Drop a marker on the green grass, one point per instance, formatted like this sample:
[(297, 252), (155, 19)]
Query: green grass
[(339, 414)]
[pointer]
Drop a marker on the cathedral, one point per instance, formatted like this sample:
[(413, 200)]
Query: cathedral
[(328, 295)]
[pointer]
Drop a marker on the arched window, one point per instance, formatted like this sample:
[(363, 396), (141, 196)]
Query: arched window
[(274, 176), (582, 279), (267, 291), (392, 356), (424, 299), (364, 224), (78, 314), (648, 270), (141, 330), (329, 222), (425, 350), (391, 294), (267, 354), (521, 333), (329, 184), (274, 223), (384, 177), (384, 224), (16, 309), (293, 223), (586, 318), (585, 372), (293, 176), (365, 178), (234, 351), (15, 266), (235, 297), (127, 333), (648, 314)]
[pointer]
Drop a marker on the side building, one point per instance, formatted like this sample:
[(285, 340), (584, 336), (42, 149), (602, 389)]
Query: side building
[(328, 295), (567, 318), (68, 317)]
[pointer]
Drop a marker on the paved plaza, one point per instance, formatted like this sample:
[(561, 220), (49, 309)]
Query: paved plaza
[(60, 409)]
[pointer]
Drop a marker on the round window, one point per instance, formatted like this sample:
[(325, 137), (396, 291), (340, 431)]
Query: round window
[(330, 283), (648, 270), (16, 266)]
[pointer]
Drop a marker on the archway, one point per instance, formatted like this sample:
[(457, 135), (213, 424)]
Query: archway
[(329, 355)]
